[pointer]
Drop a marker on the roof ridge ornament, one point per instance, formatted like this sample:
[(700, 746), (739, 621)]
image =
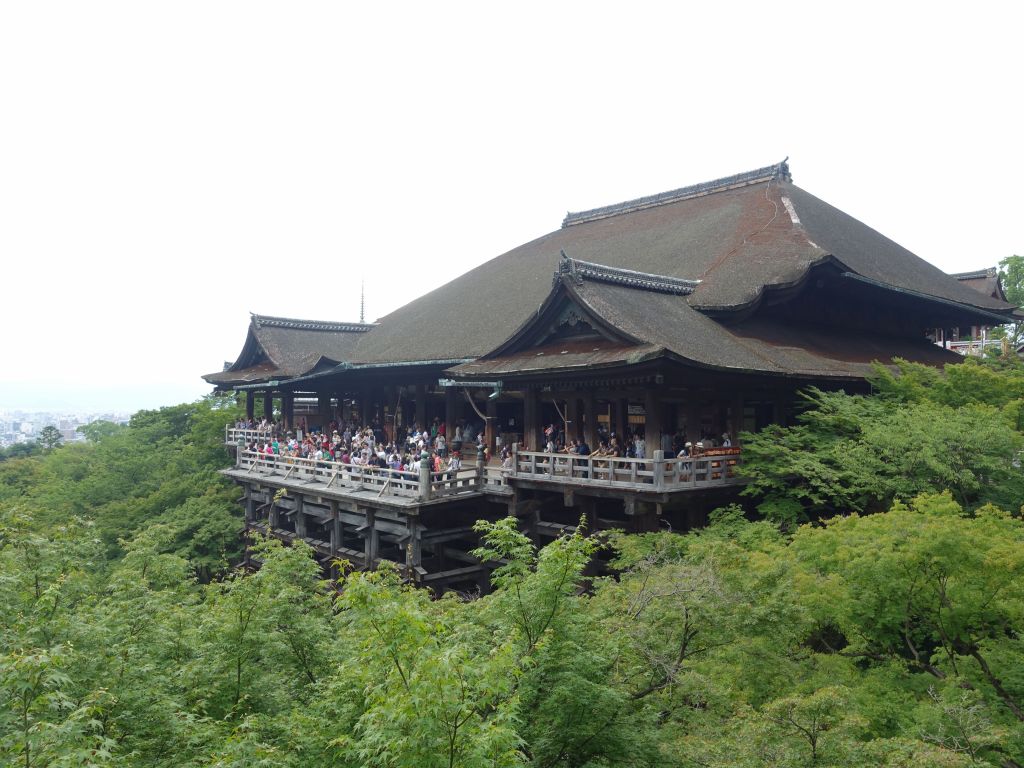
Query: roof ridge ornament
[(578, 271), (976, 274), (267, 321), (768, 173)]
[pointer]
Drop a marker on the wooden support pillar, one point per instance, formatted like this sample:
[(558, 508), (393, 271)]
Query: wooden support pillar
[(572, 417), (370, 546), (621, 419), (300, 517), (590, 420), (250, 508), (645, 517), (250, 404), (323, 407), (587, 507), (531, 421), (451, 405), (413, 548), (408, 413), (274, 516), (737, 418), (364, 407), (483, 582), (692, 420), (421, 406), (337, 541), (268, 405), (491, 425), (288, 410), (652, 420)]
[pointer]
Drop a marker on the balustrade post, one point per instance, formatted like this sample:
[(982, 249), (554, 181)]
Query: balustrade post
[(515, 458), (658, 465), (481, 468), (424, 476)]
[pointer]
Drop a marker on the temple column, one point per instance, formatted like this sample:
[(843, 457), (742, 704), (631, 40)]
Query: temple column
[(421, 406), (491, 425), (336, 535), (652, 421), (531, 420), (250, 404), (450, 413), (371, 542), (268, 405), (590, 420), (288, 410), (323, 406), (572, 417), (365, 414), (408, 412), (621, 418), (737, 418), (692, 419), (300, 517), (250, 508), (413, 555)]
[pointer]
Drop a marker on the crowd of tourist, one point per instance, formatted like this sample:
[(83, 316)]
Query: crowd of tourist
[(366, 446), (372, 446), (632, 444)]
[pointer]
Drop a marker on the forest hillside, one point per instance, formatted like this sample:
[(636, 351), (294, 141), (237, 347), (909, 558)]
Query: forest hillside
[(866, 609)]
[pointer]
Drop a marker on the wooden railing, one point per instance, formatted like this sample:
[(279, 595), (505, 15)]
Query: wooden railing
[(654, 474), (355, 477)]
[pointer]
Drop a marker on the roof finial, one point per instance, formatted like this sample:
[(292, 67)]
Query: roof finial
[(783, 170), (362, 301)]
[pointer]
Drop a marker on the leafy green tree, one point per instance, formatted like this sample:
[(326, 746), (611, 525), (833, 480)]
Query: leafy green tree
[(20, 450), (856, 453), (1011, 273), (99, 430), (926, 585), (49, 437)]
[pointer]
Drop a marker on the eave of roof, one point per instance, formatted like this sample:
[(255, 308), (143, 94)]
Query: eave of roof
[(355, 367), (997, 319)]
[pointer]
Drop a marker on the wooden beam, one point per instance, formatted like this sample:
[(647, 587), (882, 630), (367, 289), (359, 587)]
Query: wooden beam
[(453, 574)]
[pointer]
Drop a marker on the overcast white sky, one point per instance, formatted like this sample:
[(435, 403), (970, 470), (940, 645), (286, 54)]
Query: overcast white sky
[(166, 168)]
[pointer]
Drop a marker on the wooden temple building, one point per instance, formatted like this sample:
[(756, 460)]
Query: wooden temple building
[(695, 313)]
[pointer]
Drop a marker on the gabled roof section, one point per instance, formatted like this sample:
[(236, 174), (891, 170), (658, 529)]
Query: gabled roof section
[(650, 324), (777, 171), (985, 281), (282, 347), (564, 319)]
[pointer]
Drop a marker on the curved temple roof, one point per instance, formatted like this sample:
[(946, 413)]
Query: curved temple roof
[(282, 347), (642, 323), (718, 247), (734, 238)]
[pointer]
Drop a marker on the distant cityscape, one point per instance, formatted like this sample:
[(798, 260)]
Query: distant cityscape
[(24, 426)]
